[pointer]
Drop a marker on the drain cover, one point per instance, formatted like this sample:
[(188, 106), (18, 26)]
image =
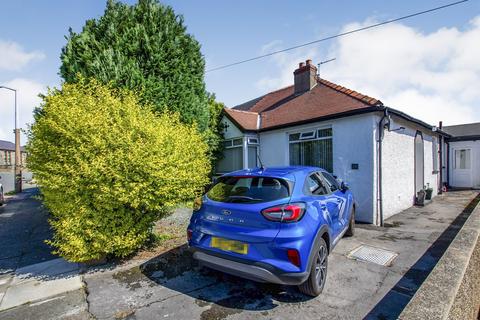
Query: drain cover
[(372, 254)]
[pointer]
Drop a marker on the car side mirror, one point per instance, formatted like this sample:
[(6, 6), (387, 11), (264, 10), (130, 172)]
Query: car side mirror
[(344, 186)]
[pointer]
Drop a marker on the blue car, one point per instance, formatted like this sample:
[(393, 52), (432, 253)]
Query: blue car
[(273, 225)]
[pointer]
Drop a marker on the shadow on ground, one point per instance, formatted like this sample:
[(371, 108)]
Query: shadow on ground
[(239, 294), (393, 303), (23, 230)]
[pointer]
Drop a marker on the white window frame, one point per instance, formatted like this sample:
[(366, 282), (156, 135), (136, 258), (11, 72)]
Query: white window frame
[(315, 138), (308, 135)]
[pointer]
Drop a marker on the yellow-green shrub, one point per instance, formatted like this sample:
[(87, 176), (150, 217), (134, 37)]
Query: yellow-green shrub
[(108, 168)]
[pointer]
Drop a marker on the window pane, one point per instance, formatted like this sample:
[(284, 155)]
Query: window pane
[(232, 160), (312, 153), (462, 159), (249, 190), (307, 135), (237, 142), (325, 133), (331, 181), (294, 137), (227, 143), (315, 185), (252, 157)]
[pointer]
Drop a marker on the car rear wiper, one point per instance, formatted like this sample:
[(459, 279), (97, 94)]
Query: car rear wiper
[(236, 198)]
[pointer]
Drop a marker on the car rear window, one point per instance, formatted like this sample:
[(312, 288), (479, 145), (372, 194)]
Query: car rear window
[(249, 189)]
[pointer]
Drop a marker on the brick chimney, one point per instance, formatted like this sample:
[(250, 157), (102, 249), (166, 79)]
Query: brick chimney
[(305, 76)]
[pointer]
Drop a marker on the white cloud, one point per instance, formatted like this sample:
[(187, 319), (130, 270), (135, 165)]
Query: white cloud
[(432, 76), (13, 57), (27, 100)]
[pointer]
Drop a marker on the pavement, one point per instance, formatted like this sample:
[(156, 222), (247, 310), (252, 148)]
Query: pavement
[(172, 286), (30, 275)]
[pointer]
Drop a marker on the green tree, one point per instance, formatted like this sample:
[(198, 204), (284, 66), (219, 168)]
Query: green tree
[(146, 48), (214, 133), (109, 168)]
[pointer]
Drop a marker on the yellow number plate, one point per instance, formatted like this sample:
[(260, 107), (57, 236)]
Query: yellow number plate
[(229, 245)]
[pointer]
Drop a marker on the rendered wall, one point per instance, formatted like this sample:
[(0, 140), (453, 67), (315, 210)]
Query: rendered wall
[(398, 166), (353, 142)]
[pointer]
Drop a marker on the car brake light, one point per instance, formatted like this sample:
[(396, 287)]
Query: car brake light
[(293, 257), (189, 234), (290, 212)]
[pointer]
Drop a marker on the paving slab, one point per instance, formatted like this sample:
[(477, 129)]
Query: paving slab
[(70, 305)]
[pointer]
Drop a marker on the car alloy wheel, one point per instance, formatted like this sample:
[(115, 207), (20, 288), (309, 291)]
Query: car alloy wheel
[(315, 282), (321, 266)]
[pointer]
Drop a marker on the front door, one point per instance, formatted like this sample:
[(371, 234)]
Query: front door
[(462, 167)]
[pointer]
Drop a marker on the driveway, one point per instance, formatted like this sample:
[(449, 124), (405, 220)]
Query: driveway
[(172, 286)]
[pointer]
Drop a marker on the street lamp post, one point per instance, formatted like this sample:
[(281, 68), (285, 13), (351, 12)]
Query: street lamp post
[(18, 155)]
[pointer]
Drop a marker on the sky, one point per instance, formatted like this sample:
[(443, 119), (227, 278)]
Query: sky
[(427, 66)]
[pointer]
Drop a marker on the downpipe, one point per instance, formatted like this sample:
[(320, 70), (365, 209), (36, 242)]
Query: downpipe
[(385, 121)]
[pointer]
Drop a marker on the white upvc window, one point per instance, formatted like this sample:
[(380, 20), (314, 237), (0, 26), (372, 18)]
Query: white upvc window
[(232, 156), (239, 153), (312, 148)]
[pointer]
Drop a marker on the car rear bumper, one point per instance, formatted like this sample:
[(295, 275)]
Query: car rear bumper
[(256, 271)]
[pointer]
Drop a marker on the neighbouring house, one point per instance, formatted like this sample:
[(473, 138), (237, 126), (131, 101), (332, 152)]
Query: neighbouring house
[(7, 155), (7, 165), (385, 155), (462, 156)]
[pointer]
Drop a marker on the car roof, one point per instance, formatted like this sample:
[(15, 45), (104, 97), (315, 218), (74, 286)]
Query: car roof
[(279, 172)]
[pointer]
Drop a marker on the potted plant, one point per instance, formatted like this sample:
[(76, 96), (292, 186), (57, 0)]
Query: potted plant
[(428, 192)]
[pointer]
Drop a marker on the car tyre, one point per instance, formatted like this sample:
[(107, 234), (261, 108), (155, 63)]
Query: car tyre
[(351, 225), (313, 286)]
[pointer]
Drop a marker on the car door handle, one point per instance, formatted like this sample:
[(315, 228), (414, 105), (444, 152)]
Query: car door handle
[(339, 200)]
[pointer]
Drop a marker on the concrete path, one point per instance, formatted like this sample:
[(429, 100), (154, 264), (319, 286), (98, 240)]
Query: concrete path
[(171, 286), (29, 273)]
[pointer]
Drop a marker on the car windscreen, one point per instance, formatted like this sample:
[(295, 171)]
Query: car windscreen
[(248, 189)]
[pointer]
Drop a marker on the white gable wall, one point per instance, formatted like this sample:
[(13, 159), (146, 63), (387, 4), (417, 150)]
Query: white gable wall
[(353, 142), (398, 166), (231, 130)]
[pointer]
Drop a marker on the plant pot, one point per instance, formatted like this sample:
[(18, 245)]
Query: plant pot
[(420, 200), (428, 194)]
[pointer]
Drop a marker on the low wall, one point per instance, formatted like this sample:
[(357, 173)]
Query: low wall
[(452, 290)]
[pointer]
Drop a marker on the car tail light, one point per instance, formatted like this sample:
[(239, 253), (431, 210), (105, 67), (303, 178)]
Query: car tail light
[(290, 212), (189, 234), (293, 257)]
